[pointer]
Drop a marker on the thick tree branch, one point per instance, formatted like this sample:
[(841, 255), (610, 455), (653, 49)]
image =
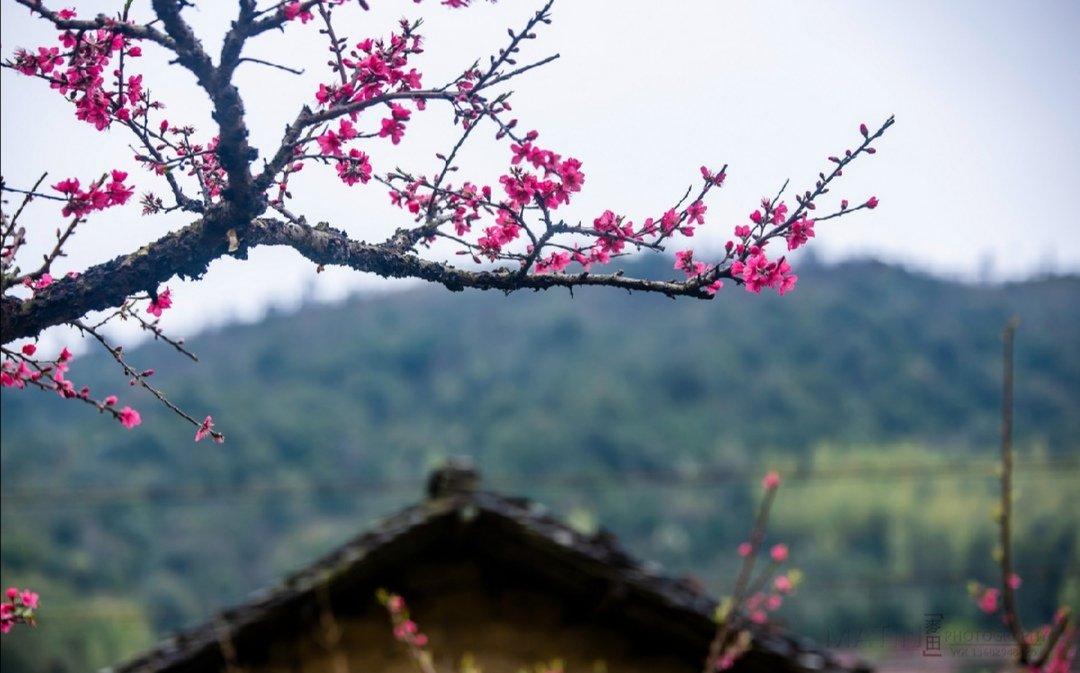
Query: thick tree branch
[(234, 152), (325, 245), (185, 252), (188, 252)]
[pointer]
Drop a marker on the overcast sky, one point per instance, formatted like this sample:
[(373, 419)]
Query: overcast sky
[(979, 168)]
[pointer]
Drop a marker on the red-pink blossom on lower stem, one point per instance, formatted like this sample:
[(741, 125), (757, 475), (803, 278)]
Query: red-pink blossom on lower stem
[(988, 602), (19, 608)]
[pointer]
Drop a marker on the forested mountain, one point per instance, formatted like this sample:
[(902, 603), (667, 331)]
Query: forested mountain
[(876, 387)]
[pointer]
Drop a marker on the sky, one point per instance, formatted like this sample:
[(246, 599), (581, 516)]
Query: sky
[(972, 179)]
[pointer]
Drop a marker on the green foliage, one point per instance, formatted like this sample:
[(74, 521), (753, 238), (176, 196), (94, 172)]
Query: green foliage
[(335, 413)]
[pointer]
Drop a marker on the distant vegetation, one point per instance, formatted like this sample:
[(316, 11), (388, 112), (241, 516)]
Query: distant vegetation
[(880, 385)]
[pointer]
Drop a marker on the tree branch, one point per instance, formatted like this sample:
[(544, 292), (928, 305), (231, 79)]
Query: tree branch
[(1012, 617), (188, 252), (234, 152), (135, 31)]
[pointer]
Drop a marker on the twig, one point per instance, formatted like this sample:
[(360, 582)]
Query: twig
[(1012, 617)]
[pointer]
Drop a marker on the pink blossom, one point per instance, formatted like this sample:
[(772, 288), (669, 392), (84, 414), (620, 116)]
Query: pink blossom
[(207, 429), (988, 603), (329, 143), (29, 599), (19, 609), (782, 584), (778, 213), (684, 261), (111, 400), (68, 186), (872, 202), (696, 212), (293, 10), (668, 221), (355, 168), (801, 230), (44, 281), (757, 273), (1014, 581), (118, 193), (744, 549), (160, 303), (716, 179), (129, 418), (394, 126), (555, 263), (779, 553), (29, 349), (771, 480), (570, 173)]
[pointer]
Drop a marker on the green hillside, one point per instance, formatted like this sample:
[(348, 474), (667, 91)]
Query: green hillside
[(881, 385)]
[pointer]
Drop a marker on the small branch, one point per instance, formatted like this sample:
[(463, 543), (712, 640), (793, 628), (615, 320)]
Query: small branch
[(249, 59), (140, 378), (757, 536), (1012, 617), (47, 382), (32, 194), (135, 31)]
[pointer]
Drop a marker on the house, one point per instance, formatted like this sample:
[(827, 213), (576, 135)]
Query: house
[(484, 574)]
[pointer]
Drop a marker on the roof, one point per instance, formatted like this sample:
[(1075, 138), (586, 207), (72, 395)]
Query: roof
[(527, 535)]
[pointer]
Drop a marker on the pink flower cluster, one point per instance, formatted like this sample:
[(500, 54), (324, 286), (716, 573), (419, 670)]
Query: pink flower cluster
[(560, 177), (505, 231), (989, 601), (19, 608), (752, 266), (373, 68), (757, 272), (103, 193), (406, 631), (19, 370), (765, 596), (78, 73), (202, 161), (759, 605), (684, 261), (176, 152), (294, 10)]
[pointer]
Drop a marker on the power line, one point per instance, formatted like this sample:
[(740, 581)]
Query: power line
[(199, 493), (811, 584)]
